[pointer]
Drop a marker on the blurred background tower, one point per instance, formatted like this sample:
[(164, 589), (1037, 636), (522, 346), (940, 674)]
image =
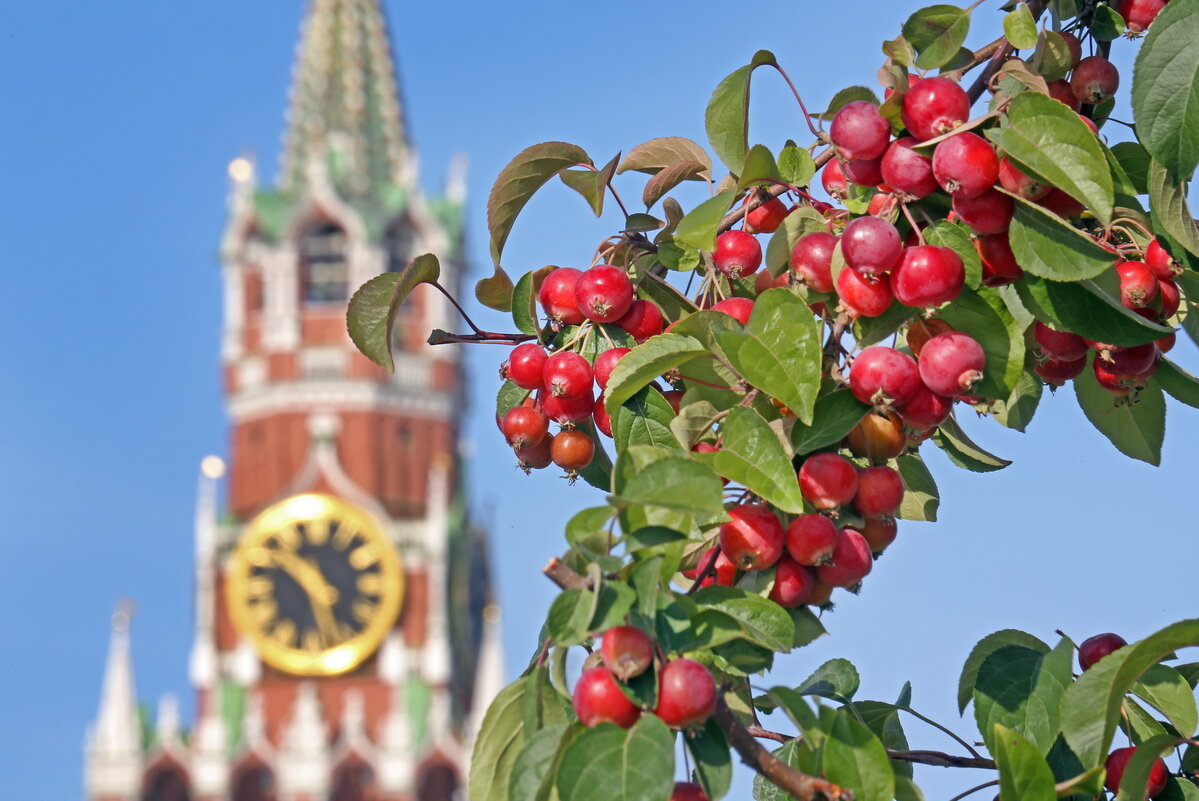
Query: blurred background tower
[(346, 635)]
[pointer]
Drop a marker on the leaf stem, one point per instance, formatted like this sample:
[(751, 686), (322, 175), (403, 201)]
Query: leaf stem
[(936, 725), (807, 117), (461, 311), (973, 790)]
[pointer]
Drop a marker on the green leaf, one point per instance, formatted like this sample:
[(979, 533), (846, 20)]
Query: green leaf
[(937, 33), (644, 420), (1052, 59), (644, 363), (1091, 707), (989, 320), (1168, 201), (713, 762), (796, 165), (846, 96), (1048, 140), (591, 184), (1023, 772), (1165, 89), (1020, 28), (371, 313), (752, 455), (766, 790), (759, 168), (668, 178), (532, 777), (1022, 689), (657, 154), (834, 416), (1017, 411), (501, 740), (495, 292), (957, 238), (920, 498), (519, 181), (760, 620), (1179, 790), (1106, 24), (568, 620), (608, 763), (1087, 310), (698, 228), (1180, 384), (899, 51), (727, 116), (1134, 160), (854, 757), (524, 300), (808, 627), (837, 679), (962, 450), (672, 302), (1167, 691), (780, 351), (677, 483), (1136, 429), (1045, 245), (983, 649)]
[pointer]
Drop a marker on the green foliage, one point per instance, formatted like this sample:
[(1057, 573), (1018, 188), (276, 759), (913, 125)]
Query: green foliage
[(759, 399)]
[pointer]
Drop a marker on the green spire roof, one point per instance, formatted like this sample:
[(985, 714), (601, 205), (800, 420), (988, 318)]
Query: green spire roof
[(344, 105)]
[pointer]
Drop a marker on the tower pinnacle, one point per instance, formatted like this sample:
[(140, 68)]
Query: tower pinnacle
[(344, 105)]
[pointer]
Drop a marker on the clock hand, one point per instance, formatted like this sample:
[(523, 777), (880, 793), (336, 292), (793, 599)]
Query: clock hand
[(320, 593)]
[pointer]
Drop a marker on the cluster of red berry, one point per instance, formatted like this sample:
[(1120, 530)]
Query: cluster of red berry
[(1147, 288), (686, 691)]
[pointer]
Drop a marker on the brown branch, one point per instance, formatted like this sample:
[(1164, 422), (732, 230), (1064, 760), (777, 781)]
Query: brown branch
[(935, 758), (557, 572), (797, 784), (1001, 54), (977, 57), (439, 337), (774, 190)]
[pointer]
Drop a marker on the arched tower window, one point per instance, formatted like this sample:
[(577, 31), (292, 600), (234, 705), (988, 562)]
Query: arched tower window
[(438, 783), (166, 783), (400, 243), (353, 781), (323, 270), (253, 782)]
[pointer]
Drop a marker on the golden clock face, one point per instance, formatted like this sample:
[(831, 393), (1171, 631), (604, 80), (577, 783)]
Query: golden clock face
[(315, 585)]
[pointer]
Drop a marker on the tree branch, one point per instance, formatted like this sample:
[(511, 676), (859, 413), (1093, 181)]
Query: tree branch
[(797, 784), (557, 572), (935, 758), (1001, 54)]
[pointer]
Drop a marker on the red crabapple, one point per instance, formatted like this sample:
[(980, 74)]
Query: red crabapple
[(864, 296), (879, 532), (793, 583), (965, 165), (863, 172), (989, 213), (567, 375), (812, 258), (687, 791), (557, 296), (1018, 183), (686, 694), (810, 539), (927, 276), (1138, 284), (737, 308), (852, 560), (858, 131), (628, 651), (753, 537), (598, 699), (878, 437), (526, 365), (604, 293), (827, 480), (1056, 372), (605, 363), (1161, 262), (908, 171), (883, 377), (524, 426), (1059, 344), (933, 107), (766, 217), (1060, 91), (952, 363), (723, 573), (737, 254), (1092, 649), (833, 180), (880, 491), (1117, 763), (926, 409), (999, 263), (871, 245), (643, 320), (572, 450), (1095, 79), (1139, 15)]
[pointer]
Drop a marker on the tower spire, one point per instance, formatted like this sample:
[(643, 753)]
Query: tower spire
[(344, 106), (114, 746)]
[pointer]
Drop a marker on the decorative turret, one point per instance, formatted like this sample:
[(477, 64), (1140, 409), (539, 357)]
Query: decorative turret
[(114, 743)]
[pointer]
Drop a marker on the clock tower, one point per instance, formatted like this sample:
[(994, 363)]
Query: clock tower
[(346, 641)]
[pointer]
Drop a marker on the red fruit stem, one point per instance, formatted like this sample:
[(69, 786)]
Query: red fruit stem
[(908, 213), (802, 107)]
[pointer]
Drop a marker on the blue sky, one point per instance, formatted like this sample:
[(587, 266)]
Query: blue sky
[(121, 121)]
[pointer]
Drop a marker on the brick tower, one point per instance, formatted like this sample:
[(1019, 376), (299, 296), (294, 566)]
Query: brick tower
[(346, 642)]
